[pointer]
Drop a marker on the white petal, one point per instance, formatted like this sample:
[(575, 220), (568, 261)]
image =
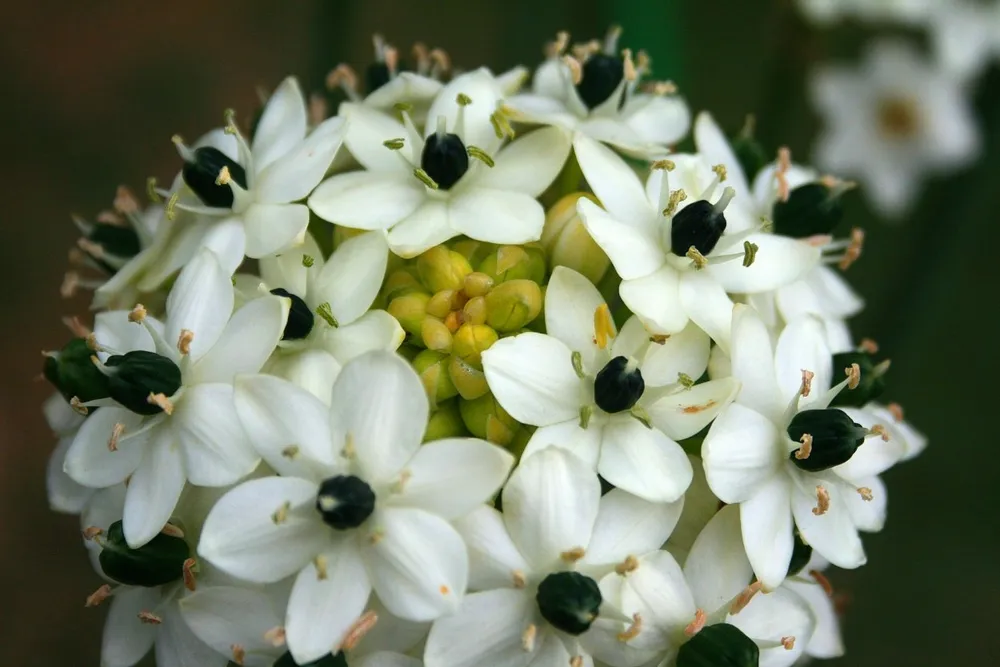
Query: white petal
[(241, 538), (222, 616), (661, 119), (751, 357), (683, 352), (404, 87), (287, 270), (246, 342), (104, 508), (612, 180), (826, 641), (496, 216), (741, 453), (388, 659), (484, 91), (391, 633), (493, 558), (452, 477), (60, 417), (875, 456), (550, 504), (766, 524), (367, 131), (271, 228), (352, 277), (628, 525), (532, 377), (127, 639), (374, 330), (215, 448), (200, 301), (714, 146), (643, 461), (868, 515), (632, 341), (802, 346), (228, 240), (424, 228), (529, 164), (708, 306), (832, 534), (367, 199), (779, 261), (682, 414), (717, 568), (282, 124), (617, 133), (293, 176), (153, 489), (277, 415), (486, 630), (380, 404), (770, 618), (313, 370), (177, 646), (89, 460), (418, 564), (63, 493), (630, 244), (321, 610), (114, 330), (584, 443), (571, 302), (655, 299)]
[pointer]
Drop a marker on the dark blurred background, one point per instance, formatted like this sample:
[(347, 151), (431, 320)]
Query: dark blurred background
[(94, 91)]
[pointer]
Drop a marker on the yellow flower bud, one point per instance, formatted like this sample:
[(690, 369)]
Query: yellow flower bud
[(441, 304), (474, 311), (567, 242), (445, 422), (511, 305), (432, 367), (410, 309), (470, 382), (470, 342), (442, 269), (435, 335), (472, 250), (512, 262), (400, 282), (486, 419), (477, 284)]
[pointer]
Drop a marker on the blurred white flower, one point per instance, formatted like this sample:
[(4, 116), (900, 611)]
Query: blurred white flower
[(965, 35), (902, 11)]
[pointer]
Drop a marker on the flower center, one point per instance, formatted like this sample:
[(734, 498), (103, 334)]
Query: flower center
[(201, 173), (328, 660), (832, 438), (300, 318), (345, 501), (444, 159), (698, 225), (723, 645), (569, 601), (601, 75), (898, 118), (135, 376), (618, 386)]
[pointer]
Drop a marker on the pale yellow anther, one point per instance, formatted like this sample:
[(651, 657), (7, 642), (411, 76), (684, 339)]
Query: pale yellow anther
[(78, 406), (93, 249), (853, 373), (70, 283), (868, 345), (149, 618), (806, 387), (239, 654), (188, 570), (695, 626), (349, 451), (896, 410), (184, 341), (803, 452), (224, 176), (744, 598), (575, 69), (275, 636), (290, 452), (320, 563), (170, 530), (661, 88), (633, 630), (400, 484), (162, 402), (781, 173), (698, 259), (576, 661), (280, 515), (881, 431), (629, 65), (376, 536), (822, 501), (358, 630), (519, 578), (720, 172), (98, 596), (865, 493), (668, 165), (342, 76), (528, 638), (788, 643), (91, 532), (853, 251), (137, 314), (604, 326), (627, 566), (573, 555), (676, 197), (116, 433)]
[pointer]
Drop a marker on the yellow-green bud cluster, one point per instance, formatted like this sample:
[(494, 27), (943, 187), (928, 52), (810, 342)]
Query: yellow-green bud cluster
[(567, 242)]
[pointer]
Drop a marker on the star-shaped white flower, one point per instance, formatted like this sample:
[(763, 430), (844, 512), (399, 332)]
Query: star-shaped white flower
[(824, 479), (616, 399), (892, 122), (812, 586), (64, 494), (555, 537), (189, 431), (965, 35), (361, 504), (254, 198), (452, 179), (596, 97)]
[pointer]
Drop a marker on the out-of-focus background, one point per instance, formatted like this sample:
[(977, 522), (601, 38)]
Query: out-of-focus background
[(94, 92)]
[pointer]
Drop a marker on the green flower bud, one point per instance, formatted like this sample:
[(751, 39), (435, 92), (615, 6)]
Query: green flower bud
[(720, 645), (71, 371), (512, 262), (473, 250), (511, 305), (442, 269), (445, 422), (435, 334), (475, 311), (871, 384), (328, 660), (135, 376), (442, 303), (471, 340), (486, 419), (158, 562), (477, 284), (401, 282), (410, 309), (432, 367), (829, 437), (811, 209), (567, 242), (469, 381)]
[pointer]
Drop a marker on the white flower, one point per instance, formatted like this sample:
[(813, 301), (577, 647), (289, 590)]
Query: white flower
[(330, 322), (452, 180), (556, 535), (891, 122), (362, 505), (186, 430), (253, 198), (617, 400), (64, 494), (813, 587), (903, 11), (596, 97), (826, 481), (669, 286), (965, 35)]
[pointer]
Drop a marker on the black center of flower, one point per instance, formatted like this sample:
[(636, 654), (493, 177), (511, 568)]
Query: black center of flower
[(444, 159), (700, 224), (811, 209), (376, 76), (158, 562), (833, 438), (71, 371), (618, 386), (114, 240), (202, 173), (345, 501), (720, 645), (601, 75), (300, 318), (569, 601), (870, 386), (136, 375), (328, 660)]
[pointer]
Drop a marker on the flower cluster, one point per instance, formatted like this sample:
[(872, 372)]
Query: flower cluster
[(512, 381)]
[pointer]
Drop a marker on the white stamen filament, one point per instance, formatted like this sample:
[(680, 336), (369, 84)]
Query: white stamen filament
[(442, 126), (727, 196)]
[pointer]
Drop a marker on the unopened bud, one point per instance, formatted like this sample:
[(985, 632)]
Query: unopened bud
[(472, 250), (435, 334), (485, 418), (567, 242), (442, 303), (445, 422), (71, 371), (410, 309), (749, 152), (477, 284), (399, 283), (469, 381), (158, 562), (471, 340), (511, 262), (513, 304), (474, 311), (442, 269), (432, 367)]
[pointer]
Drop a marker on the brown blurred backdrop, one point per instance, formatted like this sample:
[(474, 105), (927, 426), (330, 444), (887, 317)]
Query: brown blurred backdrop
[(94, 91)]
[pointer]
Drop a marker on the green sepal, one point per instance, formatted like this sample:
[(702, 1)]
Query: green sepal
[(158, 562), (720, 645), (73, 373)]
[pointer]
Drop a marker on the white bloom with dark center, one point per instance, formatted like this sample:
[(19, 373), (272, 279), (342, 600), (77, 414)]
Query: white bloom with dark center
[(892, 122), (595, 95), (254, 197), (783, 455), (361, 505), (453, 179), (616, 399), (171, 418), (536, 567)]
